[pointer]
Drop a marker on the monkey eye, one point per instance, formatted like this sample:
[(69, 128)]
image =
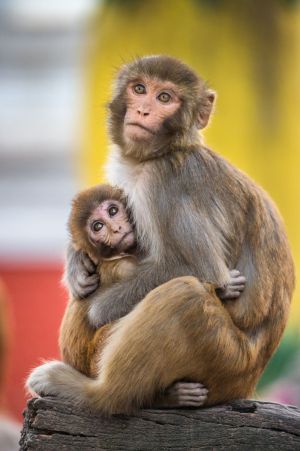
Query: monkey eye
[(139, 88), (113, 210), (164, 97), (97, 226)]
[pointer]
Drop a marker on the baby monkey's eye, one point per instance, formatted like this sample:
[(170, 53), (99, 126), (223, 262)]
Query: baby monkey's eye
[(113, 210), (164, 97), (139, 88), (97, 226)]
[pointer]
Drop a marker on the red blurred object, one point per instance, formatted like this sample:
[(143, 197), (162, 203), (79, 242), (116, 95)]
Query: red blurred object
[(37, 301)]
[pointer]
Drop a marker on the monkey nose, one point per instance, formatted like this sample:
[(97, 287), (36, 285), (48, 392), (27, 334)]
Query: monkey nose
[(143, 112)]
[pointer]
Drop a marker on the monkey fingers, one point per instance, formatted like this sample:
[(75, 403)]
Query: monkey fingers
[(89, 265), (236, 277), (235, 286), (232, 292), (86, 284), (78, 275)]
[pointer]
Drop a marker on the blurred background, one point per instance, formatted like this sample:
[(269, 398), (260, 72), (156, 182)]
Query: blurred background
[(57, 61)]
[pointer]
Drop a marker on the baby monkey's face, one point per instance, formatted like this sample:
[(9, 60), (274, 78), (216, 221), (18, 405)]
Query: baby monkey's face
[(108, 227)]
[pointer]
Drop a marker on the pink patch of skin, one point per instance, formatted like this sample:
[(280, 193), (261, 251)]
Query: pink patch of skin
[(109, 225), (149, 103)]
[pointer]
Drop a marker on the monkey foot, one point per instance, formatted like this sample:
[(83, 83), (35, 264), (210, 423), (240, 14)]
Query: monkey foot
[(184, 394), (42, 379)]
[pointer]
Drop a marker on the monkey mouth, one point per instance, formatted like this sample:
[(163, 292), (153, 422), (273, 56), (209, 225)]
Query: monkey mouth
[(125, 235), (111, 250), (126, 241), (136, 124)]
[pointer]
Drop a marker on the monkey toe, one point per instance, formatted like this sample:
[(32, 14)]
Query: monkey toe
[(188, 394), (194, 399), (187, 386)]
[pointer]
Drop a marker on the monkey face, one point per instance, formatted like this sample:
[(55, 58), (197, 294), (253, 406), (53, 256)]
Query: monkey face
[(158, 107), (149, 103), (108, 227)]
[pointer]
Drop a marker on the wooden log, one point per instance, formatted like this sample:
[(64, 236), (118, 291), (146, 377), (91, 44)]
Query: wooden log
[(52, 424)]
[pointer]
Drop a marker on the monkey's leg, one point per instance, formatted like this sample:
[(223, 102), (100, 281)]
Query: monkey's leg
[(98, 343), (179, 331), (79, 342), (76, 336)]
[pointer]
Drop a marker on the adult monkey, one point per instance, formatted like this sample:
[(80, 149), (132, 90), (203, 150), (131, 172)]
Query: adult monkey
[(196, 215)]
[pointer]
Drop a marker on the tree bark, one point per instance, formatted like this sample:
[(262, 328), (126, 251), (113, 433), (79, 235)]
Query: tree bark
[(52, 424)]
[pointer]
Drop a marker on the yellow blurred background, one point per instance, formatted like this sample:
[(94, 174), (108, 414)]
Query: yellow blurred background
[(248, 51)]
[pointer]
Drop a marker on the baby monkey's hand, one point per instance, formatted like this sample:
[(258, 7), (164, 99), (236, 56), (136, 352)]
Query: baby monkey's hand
[(234, 288), (80, 276)]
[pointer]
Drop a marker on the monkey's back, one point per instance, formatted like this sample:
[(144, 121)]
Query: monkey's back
[(241, 217), (240, 224), (261, 252)]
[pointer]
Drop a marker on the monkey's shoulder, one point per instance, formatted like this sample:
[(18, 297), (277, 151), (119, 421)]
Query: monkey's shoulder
[(224, 179), (219, 170), (228, 198)]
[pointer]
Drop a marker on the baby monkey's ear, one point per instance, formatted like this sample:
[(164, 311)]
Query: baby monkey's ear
[(205, 107)]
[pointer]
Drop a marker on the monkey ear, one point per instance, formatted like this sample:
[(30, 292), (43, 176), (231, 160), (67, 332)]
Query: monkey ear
[(206, 107)]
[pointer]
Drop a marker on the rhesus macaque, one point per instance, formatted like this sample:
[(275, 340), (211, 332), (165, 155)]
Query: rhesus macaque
[(100, 228), (196, 218)]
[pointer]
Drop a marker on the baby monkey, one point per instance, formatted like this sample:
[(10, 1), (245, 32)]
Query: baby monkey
[(101, 229)]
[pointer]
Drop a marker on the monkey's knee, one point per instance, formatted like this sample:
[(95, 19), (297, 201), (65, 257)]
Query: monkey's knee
[(189, 285), (177, 292)]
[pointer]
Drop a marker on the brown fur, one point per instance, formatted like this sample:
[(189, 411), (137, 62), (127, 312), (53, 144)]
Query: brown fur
[(197, 341), (80, 343), (195, 220), (82, 206)]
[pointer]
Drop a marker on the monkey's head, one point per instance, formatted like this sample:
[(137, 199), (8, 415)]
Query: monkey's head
[(99, 223), (159, 104)]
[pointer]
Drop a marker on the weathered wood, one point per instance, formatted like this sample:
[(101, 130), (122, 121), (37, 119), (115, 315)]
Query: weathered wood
[(52, 424)]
